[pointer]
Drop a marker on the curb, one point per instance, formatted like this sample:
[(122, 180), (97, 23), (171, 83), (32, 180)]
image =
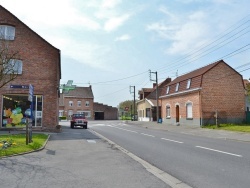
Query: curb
[(165, 177), (27, 152)]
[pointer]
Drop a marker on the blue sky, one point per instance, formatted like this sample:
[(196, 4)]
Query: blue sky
[(111, 44)]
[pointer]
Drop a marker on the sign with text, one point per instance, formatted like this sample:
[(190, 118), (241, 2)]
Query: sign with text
[(31, 93), (19, 86)]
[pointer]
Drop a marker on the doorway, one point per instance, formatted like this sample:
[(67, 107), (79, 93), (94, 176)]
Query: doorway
[(177, 113)]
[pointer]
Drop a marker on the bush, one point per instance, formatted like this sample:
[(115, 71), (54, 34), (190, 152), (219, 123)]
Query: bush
[(63, 118)]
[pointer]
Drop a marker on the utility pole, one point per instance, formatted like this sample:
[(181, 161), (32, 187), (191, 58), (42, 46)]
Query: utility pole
[(157, 95), (134, 99)]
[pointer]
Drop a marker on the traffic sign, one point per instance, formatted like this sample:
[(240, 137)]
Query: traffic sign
[(19, 86)]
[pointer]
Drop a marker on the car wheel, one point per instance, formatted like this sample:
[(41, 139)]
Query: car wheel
[(72, 125)]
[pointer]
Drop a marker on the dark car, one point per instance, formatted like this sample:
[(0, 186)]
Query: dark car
[(79, 120)]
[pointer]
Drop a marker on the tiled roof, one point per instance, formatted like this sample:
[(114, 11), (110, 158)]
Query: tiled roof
[(80, 92), (195, 73)]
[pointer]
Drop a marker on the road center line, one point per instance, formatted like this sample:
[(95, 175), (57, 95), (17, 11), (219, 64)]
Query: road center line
[(172, 140), (147, 135), (219, 151), (122, 129)]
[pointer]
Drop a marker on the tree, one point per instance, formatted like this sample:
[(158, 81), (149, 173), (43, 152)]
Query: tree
[(128, 107), (9, 64)]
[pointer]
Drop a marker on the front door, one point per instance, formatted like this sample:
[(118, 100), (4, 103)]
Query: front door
[(177, 114)]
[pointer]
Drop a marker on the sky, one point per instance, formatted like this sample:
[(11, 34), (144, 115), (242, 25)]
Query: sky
[(112, 44)]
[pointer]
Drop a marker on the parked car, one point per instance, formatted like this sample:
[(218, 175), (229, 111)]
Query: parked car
[(79, 120)]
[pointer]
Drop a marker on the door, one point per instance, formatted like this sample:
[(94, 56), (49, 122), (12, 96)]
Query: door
[(177, 114)]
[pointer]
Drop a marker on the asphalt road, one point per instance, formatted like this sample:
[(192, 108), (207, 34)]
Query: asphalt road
[(75, 158), (197, 161)]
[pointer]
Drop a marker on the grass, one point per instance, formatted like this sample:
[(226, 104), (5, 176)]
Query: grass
[(230, 127), (18, 145)]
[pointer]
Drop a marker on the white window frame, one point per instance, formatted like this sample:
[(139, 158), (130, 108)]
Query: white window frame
[(79, 103), (70, 103), (7, 32), (189, 110), (188, 83), (14, 66), (177, 87), (87, 103), (168, 110), (70, 113), (167, 92)]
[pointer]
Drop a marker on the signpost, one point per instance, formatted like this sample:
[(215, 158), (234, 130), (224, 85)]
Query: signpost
[(29, 121)]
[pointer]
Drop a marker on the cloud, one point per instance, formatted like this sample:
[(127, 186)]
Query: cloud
[(123, 38), (110, 3), (115, 22)]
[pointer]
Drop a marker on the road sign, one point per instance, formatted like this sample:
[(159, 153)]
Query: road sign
[(19, 86), (126, 108)]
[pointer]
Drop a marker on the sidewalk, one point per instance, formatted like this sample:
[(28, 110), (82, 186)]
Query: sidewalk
[(198, 131)]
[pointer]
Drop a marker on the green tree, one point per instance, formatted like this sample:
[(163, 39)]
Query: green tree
[(127, 108)]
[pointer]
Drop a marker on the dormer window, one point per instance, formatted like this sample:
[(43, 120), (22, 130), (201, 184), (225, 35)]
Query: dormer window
[(167, 92), (7, 32), (188, 83), (177, 87)]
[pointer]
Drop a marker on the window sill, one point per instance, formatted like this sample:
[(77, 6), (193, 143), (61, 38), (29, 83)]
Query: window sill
[(189, 119), (168, 117)]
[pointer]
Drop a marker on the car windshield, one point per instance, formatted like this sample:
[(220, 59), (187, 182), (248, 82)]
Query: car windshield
[(78, 116)]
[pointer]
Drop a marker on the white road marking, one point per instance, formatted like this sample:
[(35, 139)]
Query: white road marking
[(91, 141), (219, 151), (147, 135), (172, 140), (122, 129)]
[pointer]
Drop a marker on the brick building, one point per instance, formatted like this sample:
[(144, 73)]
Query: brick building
[(77, 101), (81, 100), (38, 64), (198, 97), (105, 112)]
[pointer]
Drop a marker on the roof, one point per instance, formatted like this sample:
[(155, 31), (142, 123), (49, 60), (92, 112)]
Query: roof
[(196, 72), (80, 92)]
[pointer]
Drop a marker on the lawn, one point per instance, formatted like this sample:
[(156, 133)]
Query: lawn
[(16, 143), (230, 127)]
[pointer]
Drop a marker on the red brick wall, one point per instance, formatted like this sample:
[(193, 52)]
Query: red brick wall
[(76, 108), (223, 90), (181, 100), (41, 67)]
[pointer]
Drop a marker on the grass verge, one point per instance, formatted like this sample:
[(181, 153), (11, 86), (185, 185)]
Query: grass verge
[(16, 143), (230, 127)]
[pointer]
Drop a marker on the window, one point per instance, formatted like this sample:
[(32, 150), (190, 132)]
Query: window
[(177, 87), (14, 66), (167, 92), (79, 103), (189, 107), (87, 103), (70, 113), (188, 83), (7, 32), (168, 111), (147, 112), (70, 103)]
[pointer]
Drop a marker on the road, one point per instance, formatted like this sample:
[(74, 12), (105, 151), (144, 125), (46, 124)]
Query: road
[(197, 161), (75, 158)]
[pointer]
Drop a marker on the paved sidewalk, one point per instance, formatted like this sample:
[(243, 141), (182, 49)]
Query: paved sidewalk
[(211, 133)]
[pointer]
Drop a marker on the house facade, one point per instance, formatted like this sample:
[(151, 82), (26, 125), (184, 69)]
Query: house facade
[(77, 101), (209, 95), (39, 65), (147, 104)]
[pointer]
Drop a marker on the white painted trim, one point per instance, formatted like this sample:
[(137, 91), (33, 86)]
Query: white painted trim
[(183, 92)]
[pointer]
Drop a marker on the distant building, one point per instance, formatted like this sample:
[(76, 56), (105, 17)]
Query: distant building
[(77, 101), (206, 95), (38, 64), (147, 104), (81, 100)]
